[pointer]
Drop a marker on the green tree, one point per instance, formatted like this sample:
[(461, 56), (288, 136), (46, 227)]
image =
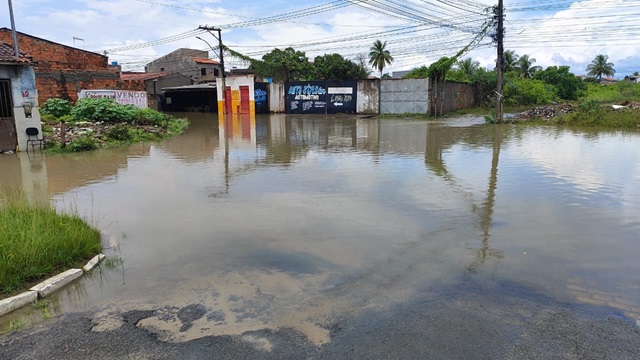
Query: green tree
[(468, 67), (379, 56), (525, 67), (336, 67), (601, 66), (568, 85), (283, 65), (510, 60)]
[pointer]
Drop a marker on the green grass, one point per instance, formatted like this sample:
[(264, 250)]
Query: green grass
[(604, 117), (13, 325), (38, 241), (612, 93)]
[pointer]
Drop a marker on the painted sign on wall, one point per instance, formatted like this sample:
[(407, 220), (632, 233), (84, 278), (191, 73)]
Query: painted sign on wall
[(342, 97), (308, 97), (261, 96), (320, 97), (124, 97)]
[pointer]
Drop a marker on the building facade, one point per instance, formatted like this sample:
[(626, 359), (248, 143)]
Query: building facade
[(18, 99), (192, 64), (62, 71)]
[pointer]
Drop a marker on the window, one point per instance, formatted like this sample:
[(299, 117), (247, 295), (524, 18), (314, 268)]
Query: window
[(203, 71), (161, 69), (216, 72)]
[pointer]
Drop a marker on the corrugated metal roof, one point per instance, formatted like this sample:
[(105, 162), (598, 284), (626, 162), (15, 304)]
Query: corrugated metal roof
[(7, 55)]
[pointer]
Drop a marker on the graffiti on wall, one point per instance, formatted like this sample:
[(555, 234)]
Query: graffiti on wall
[(261, 95), (321, 97)]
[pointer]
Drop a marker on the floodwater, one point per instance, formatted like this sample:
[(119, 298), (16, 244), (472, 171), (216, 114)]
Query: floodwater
[(297, 222)]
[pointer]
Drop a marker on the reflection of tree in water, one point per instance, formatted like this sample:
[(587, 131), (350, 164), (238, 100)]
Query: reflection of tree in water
[(442, 137)]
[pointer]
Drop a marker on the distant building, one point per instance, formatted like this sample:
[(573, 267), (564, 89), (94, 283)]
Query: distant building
[(192, 64), (62, 71), (18, 99), (633, 78)]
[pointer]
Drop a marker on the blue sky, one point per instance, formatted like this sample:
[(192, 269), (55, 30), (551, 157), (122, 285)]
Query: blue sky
[(560, 32)]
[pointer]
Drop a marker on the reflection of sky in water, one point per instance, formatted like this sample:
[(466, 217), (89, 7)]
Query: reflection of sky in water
[(412, 194)]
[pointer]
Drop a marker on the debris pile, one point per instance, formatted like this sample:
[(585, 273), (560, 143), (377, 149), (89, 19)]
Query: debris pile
[(547, 112)]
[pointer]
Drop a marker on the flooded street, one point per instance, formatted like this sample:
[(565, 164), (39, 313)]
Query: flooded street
[(313, 225)]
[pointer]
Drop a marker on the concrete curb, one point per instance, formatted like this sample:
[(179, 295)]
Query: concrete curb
[(15, 302), (93, 262), (47, 287), (50, 285)]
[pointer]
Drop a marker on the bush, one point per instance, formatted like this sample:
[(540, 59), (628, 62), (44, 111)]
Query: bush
[(56, 107), (590, 107), (568, 85), (119, 132), (519, 91), (107, 110), (150, 117), (83, 143)]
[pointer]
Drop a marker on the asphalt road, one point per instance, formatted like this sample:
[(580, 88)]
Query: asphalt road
[(468, 321)]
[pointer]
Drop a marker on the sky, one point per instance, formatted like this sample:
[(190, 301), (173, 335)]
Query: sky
[(553, 32)]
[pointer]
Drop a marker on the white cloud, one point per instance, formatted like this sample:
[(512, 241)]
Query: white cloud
[(109, 24)]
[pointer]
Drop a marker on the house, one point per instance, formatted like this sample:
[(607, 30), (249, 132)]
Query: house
[(194, 65), (154, 83), (18, 99), (633, 78), (62, 71)]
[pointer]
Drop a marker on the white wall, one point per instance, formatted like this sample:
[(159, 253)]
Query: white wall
[(368, 97), (23, 88), (276, 97)]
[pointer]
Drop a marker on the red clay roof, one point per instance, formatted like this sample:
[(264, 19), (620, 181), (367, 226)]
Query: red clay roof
[(205, 61), (7, 55), (141, 76)]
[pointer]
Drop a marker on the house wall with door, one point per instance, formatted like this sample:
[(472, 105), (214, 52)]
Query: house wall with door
[(23, 103), (239, 97), (62, 71)]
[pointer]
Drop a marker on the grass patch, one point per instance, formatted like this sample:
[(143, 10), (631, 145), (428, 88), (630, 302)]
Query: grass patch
[(603, 117), (38, 241), (14, 325)]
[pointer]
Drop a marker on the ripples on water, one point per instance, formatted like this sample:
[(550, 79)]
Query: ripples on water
[(346, 207)]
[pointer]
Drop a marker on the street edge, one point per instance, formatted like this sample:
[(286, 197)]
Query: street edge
[(47, 287)]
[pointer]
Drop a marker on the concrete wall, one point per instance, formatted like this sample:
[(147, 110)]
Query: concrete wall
[(23, 91), (457, 96), (276, 98), (62, 71), (368, 97), (400, 96), (172, 80)]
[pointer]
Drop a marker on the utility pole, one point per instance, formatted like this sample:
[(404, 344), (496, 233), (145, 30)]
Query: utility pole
[(500, 62), (13, 31), (209, 29)]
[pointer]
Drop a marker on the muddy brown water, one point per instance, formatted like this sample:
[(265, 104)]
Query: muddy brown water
[(294, 222)]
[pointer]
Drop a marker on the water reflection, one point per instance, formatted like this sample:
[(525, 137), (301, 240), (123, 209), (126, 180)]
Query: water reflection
[(345, 208)]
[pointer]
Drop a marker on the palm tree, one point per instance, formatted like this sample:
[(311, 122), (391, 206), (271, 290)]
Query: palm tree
[(600, 66), (525, 67), (510, 58), (468, 67), (379, 57)]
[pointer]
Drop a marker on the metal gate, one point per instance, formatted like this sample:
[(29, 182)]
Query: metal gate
[(8, 138), (404, 96)]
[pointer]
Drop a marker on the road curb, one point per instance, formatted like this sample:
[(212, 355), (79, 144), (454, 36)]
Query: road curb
[(47, 287), (93, 262), (15, 302), (50, 285)]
